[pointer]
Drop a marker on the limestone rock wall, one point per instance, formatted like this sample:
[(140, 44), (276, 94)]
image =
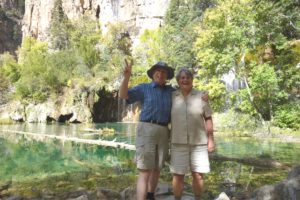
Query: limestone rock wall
[(75, 105), (11, 14), (138, 15)]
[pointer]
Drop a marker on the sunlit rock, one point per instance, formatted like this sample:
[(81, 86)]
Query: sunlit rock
[(136, 14)]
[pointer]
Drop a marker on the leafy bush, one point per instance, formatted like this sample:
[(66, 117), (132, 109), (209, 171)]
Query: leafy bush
[(3, 83), (235, 122), (41, 72), (287, 116), (217, 92), (10, 67)]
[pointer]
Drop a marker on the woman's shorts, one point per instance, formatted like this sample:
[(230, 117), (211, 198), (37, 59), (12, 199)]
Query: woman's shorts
[(152, 145), (186, 158)]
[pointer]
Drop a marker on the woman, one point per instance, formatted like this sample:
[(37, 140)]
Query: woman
[(191, 135)]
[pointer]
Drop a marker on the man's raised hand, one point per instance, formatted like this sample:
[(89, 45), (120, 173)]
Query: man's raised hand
[(127, 68)]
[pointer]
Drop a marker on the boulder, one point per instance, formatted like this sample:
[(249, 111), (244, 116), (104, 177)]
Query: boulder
[(288, 189)]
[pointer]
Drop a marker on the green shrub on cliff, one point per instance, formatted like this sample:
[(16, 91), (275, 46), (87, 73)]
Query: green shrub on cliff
[(9, 67), (42, 72), (3, 83)]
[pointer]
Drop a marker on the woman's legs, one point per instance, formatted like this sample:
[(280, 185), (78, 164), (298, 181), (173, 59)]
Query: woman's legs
[(198, 184), (177, 184)]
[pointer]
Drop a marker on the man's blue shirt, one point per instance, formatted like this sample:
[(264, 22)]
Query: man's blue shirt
[(156, 101)]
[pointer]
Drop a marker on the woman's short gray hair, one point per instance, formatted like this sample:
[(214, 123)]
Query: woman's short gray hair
[(186, 71)]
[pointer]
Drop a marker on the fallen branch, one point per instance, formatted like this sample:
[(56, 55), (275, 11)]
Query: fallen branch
[(267, 163), (78, 140)]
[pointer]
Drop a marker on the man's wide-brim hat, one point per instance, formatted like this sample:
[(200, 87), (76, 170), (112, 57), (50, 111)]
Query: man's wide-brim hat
[(161, 65)]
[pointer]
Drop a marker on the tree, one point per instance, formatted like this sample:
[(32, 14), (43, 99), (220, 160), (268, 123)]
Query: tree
[(84, 38), (59, 25), (10, 67), (114, 47), (248, 37), (42, 72), (179, 34)]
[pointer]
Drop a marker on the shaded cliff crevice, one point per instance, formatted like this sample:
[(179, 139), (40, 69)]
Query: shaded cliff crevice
[(30, 16), (105, 109)]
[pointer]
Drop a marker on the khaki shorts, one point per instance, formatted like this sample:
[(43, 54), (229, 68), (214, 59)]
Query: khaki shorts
[(152, 145), (186, 158)]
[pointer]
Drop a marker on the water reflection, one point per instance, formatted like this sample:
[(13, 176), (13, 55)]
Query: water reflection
[(23, 157), (264, 149)]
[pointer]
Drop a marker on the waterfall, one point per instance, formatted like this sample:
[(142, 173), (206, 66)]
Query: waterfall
[(127, 113), (121, 108), (232, 83)]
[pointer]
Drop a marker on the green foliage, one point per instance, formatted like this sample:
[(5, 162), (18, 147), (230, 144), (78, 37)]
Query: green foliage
[(264, 88), (251, 38), (179, 32), (287, 116), (9, 73), (42, 72), (61, 67), (225, 33), (282, 17), (240, 100), (236, 122), (135, 80), (4, 83), (84, 36), (10, 67), (173, 41), (217, 92), (182, 13), (150, 49), (288, 59), (114, 47), (85, 54), (59, 25)]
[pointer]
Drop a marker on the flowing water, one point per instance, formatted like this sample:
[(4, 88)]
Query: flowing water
[(26, 158)]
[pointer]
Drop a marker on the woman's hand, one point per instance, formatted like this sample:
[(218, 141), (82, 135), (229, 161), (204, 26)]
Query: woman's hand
[(210, 134), (205, 96), (210, 143)]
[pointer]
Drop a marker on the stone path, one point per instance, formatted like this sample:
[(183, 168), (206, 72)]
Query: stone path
[(164, 192), (185, 197)]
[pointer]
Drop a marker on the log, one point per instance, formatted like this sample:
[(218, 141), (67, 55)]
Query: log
[(266, 163), (107, 143)]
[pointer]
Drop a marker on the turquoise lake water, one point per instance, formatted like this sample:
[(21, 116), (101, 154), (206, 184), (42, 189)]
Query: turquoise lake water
[(23, 156)]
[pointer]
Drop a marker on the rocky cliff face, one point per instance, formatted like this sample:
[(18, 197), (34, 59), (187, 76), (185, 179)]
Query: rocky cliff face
[(11, 13), (74, 105), (89, 106), (138, 15)]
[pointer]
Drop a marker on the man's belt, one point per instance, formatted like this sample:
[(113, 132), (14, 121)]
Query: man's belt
[(155, 122)]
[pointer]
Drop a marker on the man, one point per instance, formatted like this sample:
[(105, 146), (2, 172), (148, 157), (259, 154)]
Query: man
[(152, 131), (152, 135)]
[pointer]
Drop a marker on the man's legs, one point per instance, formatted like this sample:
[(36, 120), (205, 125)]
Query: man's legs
[(151, 155), (177, 185), (146, 182), (153, 180), (198, 184), (142, 184)]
